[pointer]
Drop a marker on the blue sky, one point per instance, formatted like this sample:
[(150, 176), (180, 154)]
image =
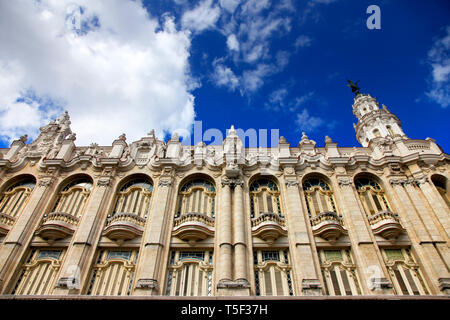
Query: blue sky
[(254, 64)]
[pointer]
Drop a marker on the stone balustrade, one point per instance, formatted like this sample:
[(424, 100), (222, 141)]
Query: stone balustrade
[(57, 225), (269, 226), (193, 226), (328, 225), (6, 222)]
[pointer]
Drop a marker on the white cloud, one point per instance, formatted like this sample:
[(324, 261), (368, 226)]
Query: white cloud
[(110, 65), (232, 42), (202, 17), (301, 100), (229, 5), (252, 80), (306, 122), (303, 41), (249, 31), (439, 60), (223, 76), (277, 99), (253, 7)]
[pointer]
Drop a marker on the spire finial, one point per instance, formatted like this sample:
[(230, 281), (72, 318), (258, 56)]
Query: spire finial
[(354, 86)]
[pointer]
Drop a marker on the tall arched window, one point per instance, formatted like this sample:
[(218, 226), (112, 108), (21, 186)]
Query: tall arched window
[(13, 201), (197, 196), (264, 197), (318, 196), (134, 197), (272, 273), (441, 185), (73, 197), (391, 132), (38, 274), (113, 272), (190, 273), (339, 273), (405, 272), (371, 195)]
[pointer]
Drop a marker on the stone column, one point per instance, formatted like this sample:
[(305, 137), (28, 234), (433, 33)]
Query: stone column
[(433, 258), (151, 263), (223, 230), (240, 241), (407, 210), (305, 274), (16, 242), (368, 259), (81, 251), (436, 202)]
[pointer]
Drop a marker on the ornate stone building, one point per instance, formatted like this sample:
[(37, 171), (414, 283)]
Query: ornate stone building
[(155, 218)]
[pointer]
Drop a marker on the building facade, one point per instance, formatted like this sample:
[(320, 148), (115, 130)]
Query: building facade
[(155, 218)]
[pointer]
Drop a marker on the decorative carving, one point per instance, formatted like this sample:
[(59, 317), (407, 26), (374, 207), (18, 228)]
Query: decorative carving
[(236, 284), (165, 182), (344, 181), (104, 181), (421, 180), (398, 181), (444, 285), (291, 183), (311, 287), (147, 284), (231, 182), (45, 182)]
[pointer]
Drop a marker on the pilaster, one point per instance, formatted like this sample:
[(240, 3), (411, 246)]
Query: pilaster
[(304, 271), (81, 251), (367, 255), (151, 262), (16, 242)]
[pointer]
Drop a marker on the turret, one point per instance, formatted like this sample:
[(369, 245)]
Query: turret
[(374, 122)]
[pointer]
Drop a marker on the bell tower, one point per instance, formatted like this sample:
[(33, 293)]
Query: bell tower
[(374, 123)]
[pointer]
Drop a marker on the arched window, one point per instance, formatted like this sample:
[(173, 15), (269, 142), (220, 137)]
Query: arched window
[(441, 185), (113, 272), (197, 196), (272, 273), (391, 132), (134, 197), (39, 272), (73, 197), (13, 201), (264, 197), (318, 196), (405, 272), (371, 195), (339, 273), (190, 273)]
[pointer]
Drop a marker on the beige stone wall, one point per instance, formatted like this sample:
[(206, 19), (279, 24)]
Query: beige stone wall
[(422, 212), (366, 251)]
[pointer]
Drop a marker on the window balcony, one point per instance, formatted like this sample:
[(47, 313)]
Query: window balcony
[(193, 226), (57, 225), (386, 224), (328, 225), (124, 226), (6, 223), (269, 226)]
